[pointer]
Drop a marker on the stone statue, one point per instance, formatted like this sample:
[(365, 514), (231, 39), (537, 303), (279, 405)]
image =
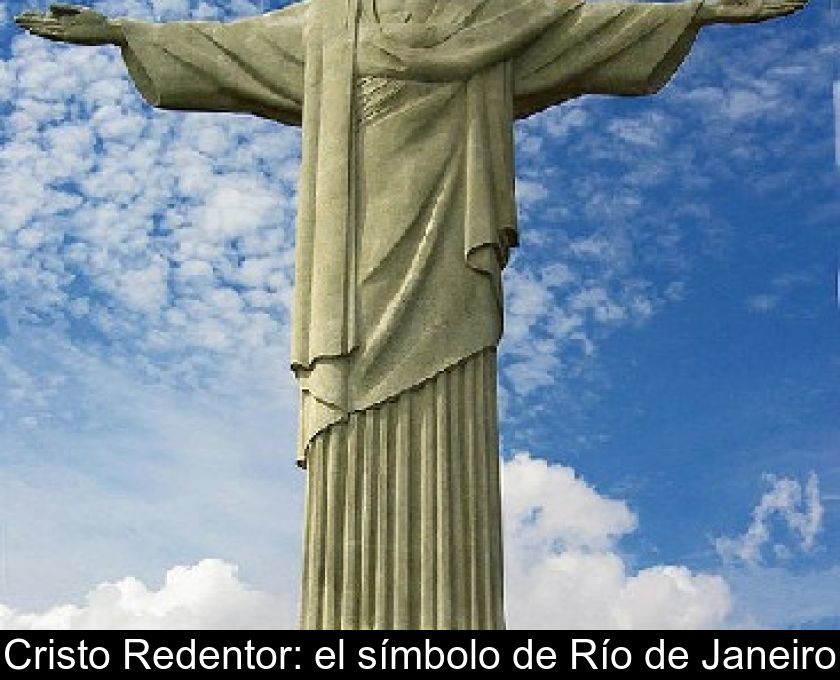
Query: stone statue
[(405, 221)]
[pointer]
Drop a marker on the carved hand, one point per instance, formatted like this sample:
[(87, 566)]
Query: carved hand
[(746, 11), (72, 24)]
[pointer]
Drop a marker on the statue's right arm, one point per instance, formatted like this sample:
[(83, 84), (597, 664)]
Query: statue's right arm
[(251, 65), (73, 24)]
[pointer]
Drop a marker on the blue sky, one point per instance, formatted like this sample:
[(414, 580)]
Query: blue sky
[(668, 375)]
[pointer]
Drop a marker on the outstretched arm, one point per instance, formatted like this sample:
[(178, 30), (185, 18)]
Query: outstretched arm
[(622, 48), (252, 65)]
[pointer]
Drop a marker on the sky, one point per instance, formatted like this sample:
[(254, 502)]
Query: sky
[(668, 383)]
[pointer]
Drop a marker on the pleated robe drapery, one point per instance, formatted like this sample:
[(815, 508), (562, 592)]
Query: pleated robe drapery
[(404, 508), (405, 220)]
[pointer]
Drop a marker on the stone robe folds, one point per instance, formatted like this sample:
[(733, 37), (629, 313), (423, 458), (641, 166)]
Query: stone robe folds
[(383, 298), (405, 222)]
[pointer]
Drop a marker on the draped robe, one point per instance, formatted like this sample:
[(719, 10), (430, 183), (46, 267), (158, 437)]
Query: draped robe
[(406, 217)]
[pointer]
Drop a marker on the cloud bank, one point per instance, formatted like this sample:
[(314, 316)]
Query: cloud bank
[(563, 566)]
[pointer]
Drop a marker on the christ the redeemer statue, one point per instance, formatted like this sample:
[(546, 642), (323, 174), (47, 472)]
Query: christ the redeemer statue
[(405, 222)]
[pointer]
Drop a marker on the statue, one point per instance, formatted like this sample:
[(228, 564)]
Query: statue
[(405, 222)]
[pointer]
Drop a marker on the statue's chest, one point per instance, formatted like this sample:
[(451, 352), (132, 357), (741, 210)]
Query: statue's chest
[(378, 98)]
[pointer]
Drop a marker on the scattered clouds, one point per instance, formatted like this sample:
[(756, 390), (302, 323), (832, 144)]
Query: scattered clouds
[(556, 318), (798, 508), (632, 196), (162, 236), (145, 275), (565, 570), (587, 233)]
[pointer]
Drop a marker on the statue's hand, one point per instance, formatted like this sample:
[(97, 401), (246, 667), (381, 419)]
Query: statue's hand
[(747, 11), (72, 24)]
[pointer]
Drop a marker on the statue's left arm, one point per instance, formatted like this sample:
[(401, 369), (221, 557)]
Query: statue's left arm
[(622, 48)]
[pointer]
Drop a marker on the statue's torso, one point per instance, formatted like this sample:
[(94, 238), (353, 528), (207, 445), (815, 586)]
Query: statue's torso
[(418, 197)]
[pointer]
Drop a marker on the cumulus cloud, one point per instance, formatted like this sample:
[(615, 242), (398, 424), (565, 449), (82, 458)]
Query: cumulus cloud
[(564, 568), (208, 595), (799, 508)]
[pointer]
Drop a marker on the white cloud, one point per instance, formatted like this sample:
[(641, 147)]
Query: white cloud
[(564, 569), (547, 505), (209, 595), (649, 131), (800, 509)]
